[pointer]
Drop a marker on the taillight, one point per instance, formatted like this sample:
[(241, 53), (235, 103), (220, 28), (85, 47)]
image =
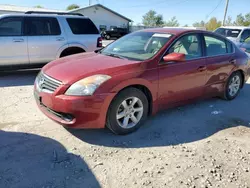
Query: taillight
[(99, 42)]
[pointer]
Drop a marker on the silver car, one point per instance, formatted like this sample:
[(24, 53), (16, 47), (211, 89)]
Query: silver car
[(238, 34), (34, 39)]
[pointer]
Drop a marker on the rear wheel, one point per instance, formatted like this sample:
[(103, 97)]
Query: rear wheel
[(233, 86), (127, 111), (107, 37)]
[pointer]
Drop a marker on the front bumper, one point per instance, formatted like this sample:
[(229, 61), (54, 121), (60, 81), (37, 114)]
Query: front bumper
[(75, 111)]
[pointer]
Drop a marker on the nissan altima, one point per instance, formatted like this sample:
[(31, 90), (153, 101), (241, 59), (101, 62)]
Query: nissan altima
[(144, 72)]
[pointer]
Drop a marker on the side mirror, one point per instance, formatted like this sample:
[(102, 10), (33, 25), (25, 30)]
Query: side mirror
[(174, 57)]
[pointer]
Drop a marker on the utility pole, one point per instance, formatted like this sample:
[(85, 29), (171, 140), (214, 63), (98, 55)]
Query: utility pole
[(89, 2), (225, 14)]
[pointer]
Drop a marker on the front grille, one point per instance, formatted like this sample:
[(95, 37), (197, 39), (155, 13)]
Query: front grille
[(47, 84)]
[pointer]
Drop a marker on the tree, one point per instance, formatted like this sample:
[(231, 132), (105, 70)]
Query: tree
[(151, 18), (73, 6), (38, 6), (247, 19), (240, 20), (173, 22), (213, 24), (199, 24), (186, 25), (229, 21)]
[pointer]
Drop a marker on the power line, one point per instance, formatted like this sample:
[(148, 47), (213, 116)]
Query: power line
[(214, 9)]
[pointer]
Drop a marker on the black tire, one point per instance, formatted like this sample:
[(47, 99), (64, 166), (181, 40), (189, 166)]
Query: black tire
[(227, 95), (108, 37), (112, 122)]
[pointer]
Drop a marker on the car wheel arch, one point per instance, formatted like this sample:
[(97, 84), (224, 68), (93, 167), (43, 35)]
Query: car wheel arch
[(70, 45), (146, 91), (71, 51), (147, 88), (242, 74)]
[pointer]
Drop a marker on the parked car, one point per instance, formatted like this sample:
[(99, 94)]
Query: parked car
[(36, 38), (239, 35), (138, 75), (114, 33)]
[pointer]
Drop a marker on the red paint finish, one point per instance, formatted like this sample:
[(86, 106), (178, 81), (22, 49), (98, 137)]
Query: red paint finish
[(181, 81), (169, 83)]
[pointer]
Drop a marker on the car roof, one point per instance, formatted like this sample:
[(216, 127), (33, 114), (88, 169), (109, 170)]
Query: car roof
[(235, 27), (174, 31), (41, 15)]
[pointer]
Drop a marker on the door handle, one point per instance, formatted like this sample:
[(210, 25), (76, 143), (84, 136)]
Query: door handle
[(60, 39), (18, 40), (232, 61), (202, 68)]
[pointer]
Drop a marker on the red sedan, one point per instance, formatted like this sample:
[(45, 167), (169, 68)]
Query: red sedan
[(136, 76)]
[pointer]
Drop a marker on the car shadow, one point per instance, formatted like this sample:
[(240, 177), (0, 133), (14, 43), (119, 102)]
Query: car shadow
[(29, 160), (18, 78), (181, 125)]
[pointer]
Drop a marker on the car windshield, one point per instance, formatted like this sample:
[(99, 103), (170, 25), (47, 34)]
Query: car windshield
[(228, 32), (137, 46)]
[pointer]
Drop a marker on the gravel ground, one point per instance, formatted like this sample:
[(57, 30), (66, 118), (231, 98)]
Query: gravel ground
[(205, 144)]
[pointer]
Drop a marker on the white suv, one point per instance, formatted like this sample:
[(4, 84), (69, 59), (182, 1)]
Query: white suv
[(36, 38)]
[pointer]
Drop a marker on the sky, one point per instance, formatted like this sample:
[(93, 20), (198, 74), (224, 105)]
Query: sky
[(186, 11)]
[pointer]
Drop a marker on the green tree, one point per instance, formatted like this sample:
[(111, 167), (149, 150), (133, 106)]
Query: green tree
[(240, 20), (213, 24), (229, 21), (151, 18), (199, 24), (38, 6), (186, 25), (173, 22), (247, 19), (72, 7)]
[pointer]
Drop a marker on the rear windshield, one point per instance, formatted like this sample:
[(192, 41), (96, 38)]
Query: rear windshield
[(228, 32), (81, 26)]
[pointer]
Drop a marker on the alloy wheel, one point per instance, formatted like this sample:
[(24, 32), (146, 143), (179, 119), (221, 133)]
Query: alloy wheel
[(129, 112), (234, 85)]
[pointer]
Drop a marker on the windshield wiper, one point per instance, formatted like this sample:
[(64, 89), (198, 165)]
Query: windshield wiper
[(115, 55)]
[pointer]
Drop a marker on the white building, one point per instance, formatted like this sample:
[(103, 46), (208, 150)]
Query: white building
[(103, 17)]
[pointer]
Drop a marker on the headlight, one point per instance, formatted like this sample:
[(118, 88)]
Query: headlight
[(87, 86)]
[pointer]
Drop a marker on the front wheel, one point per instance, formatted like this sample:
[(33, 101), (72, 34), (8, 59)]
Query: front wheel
[(233, 86), (127, 111)]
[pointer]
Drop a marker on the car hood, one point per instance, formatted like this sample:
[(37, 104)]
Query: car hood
[(75, 67)]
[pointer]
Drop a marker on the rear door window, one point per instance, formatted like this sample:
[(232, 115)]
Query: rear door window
[(41, 26), (81, 26), (11, 26), (216, 46)]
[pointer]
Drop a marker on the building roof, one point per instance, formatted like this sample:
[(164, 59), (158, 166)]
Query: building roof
[(116, 13), (13, 8)]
